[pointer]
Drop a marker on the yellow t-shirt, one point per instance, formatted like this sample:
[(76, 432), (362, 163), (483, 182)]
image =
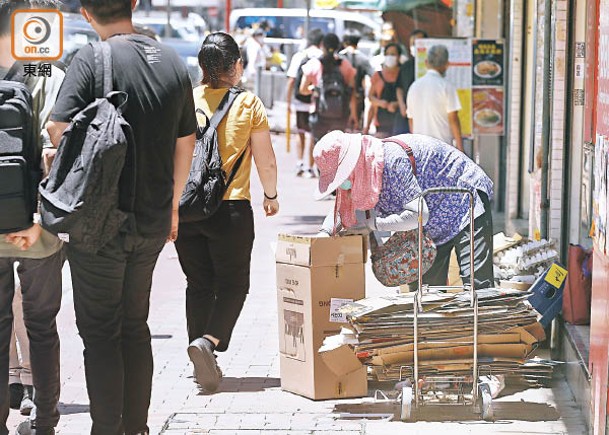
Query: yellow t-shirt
[(247, 115)]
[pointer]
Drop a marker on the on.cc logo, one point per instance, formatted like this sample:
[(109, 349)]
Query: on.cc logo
[(36, 30)]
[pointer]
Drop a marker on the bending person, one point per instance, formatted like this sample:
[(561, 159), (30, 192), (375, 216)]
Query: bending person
[(215, 253), (376, 175)]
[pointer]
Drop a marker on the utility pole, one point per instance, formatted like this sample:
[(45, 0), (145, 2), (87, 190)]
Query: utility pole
[(308, 19), (168, 26), (227, 16)]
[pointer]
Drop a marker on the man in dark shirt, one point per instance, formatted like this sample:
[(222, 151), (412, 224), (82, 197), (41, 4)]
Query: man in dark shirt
[(405, 78), (112, 287)]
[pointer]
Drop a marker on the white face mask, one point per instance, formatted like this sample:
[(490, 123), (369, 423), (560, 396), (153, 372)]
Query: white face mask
[(413, 51), (391, 61)]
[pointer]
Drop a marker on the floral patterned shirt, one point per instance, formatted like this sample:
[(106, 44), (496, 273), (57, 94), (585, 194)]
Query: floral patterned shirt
[(438, 165)]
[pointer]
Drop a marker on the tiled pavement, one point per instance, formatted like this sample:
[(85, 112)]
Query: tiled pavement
[(250, 400)]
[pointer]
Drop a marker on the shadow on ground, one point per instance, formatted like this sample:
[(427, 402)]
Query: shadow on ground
[(72, 408), (303, 220), (247, 385), (503, 411)]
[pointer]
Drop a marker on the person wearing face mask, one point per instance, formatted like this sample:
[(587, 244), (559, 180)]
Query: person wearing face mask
[(383, 97), (405, 79), (378, 185), (433, 103)]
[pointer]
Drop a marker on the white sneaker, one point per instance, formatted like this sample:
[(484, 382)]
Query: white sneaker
[(300, 170), (310, 173)]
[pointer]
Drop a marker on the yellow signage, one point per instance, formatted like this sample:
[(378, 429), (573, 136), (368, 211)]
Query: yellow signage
[(556, 275), (326, 4)]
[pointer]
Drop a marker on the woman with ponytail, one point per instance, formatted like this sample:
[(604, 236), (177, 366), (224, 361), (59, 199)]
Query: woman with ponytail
[(322, 78), (215, 253)]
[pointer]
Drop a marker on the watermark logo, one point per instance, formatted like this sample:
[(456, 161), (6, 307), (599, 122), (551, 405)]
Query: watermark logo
[(37, 34)]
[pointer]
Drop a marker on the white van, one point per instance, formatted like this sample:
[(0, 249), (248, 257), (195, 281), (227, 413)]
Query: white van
[(289, 24)]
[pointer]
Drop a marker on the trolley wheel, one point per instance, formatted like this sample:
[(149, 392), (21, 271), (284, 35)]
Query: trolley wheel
[(406, 405), (486, 402)]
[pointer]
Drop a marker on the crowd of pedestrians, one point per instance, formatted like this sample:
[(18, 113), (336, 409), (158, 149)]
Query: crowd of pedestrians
[(371, 95)]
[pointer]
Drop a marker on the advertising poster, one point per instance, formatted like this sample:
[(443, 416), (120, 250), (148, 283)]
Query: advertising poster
[(488, 111), (459, 73), (488, 72), (600, 202), (601, 158), (488, 63)]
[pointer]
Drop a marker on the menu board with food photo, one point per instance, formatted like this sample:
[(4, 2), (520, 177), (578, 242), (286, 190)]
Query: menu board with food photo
[(488, 111), (487, 62)]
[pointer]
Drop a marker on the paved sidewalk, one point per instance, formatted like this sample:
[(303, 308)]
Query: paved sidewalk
[(250, 400)]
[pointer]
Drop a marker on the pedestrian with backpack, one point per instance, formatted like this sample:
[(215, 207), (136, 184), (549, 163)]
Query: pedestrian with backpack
[(361, 63), (25, 104), (216, 233), (330, 80), (302, 104), (139, 123), (383, 97)]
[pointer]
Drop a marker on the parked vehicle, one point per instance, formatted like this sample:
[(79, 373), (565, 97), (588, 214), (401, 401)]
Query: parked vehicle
[(190, 28), (287, 25), (188, 52), (76, 34)]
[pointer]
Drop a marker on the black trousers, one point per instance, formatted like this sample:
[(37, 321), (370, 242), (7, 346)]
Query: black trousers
[(483, 253), (41, 288), (111, 301), (215, 255)]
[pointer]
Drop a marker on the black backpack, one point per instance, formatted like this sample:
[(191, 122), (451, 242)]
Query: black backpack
[(80, 199), (304, 98), (207, 181), (332, 95), (20, 153)]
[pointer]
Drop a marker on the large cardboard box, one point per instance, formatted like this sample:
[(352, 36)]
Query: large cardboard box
[(314, 277)]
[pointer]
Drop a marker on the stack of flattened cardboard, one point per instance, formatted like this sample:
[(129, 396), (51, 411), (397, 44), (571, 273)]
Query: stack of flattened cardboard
[(508, 332)]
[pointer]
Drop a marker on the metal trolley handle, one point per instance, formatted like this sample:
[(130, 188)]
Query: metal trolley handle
[(435, 190)]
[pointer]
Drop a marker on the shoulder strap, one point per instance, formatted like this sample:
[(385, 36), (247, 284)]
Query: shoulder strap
[(103, 68), (224, 106), (15, 73), (408, 151), (233, 173), (382, 77)]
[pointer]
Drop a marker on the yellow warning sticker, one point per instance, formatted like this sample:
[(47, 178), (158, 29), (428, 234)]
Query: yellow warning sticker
[(556, 275)]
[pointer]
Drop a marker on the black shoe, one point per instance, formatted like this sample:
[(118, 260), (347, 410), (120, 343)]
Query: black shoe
[(207, 372), (27, 427), (16, 395)]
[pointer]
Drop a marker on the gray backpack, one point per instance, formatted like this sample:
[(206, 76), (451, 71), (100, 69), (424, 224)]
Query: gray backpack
[(80, 198)]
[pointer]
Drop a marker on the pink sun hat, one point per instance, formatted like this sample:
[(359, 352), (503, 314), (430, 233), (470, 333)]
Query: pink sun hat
[(336, 156)]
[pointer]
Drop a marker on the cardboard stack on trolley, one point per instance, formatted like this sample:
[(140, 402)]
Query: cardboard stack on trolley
[(434, 346)]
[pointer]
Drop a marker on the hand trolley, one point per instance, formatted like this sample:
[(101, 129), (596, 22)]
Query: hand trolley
[(444, 390)]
